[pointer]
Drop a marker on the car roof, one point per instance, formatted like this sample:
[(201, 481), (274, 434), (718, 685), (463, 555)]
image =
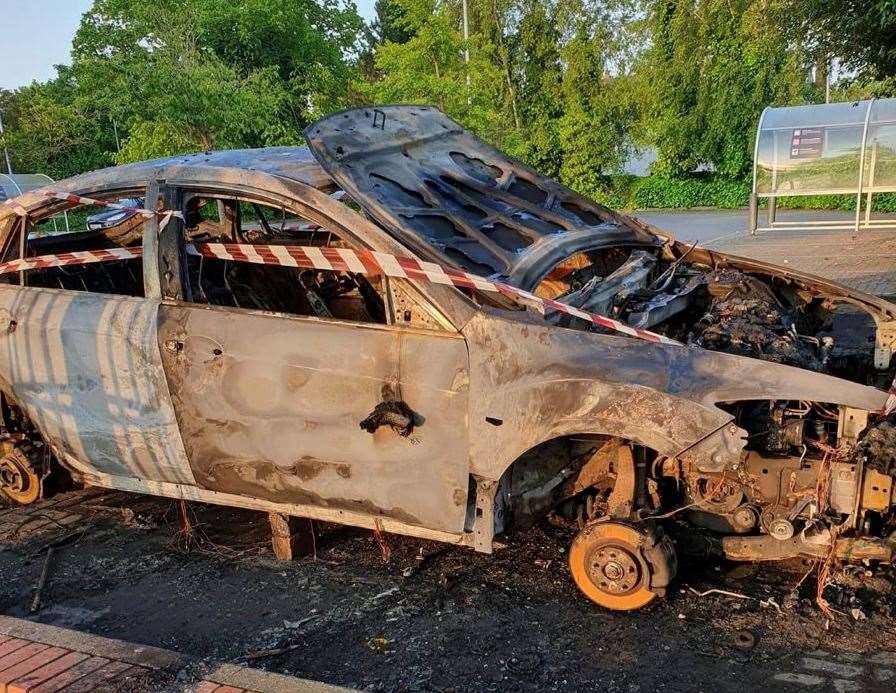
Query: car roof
[(289, 163), (294, 163)]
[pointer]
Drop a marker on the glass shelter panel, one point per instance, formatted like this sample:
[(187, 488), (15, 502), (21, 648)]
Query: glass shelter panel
[(880, 148), (815, 149), (19, 183)]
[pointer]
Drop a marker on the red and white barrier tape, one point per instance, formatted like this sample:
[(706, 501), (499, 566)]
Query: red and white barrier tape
[(328, 259), (81, 257), (890, 405), (76, 200), (309, 257), (373, 262), (338, 260)]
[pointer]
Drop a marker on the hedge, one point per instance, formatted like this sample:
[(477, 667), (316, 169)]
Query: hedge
[(707, 190)]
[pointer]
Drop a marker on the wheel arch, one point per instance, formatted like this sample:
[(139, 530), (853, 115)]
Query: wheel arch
[(561, 467)]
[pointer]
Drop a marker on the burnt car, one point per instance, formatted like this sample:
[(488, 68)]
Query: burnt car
[(758, 428)]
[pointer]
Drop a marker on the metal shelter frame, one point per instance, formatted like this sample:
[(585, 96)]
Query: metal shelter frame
[(825, 149)]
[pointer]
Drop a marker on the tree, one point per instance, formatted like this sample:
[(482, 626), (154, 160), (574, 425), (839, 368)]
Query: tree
[(598, 114), (862, 33), (711, 69), (49, 130), (196, 74), (537, 57), (429, 68), (548, 79), (390, 23)]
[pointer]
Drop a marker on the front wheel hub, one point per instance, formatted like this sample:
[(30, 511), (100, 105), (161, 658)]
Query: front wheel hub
[(619, 566), (615, 570)]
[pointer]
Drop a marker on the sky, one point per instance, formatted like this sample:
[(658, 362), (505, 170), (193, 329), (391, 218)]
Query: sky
[(38, 35)]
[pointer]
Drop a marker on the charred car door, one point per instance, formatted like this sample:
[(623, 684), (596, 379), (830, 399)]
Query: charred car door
[(295, 387), (80, 356)]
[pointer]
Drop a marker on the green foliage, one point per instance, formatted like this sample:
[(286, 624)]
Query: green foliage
[(50, 129), (592, 132), (662, 192), (539, 80), (390, 24), (186, 75), (155, 139), (429, 68), (713, 66), (881, 203), (861, 32), (571, 87)]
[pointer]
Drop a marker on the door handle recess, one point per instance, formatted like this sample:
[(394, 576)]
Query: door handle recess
[(393, 413)]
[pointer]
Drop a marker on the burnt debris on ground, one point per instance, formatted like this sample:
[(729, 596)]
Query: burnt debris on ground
[(432, 618)]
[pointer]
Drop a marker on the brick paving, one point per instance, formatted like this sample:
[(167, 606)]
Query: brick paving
[(40, 658), (28, 666)]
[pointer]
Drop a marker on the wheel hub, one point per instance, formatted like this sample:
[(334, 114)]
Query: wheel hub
[(18, 479), (619, 566), (615, 570)]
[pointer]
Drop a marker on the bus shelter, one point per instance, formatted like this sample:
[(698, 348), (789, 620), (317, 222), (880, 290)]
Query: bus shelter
[(825, 149), (13, 185)]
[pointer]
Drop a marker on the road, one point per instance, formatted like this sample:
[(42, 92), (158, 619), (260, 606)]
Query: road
[(865, 260), (709, 226)]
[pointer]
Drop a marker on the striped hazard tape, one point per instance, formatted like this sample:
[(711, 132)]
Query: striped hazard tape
[(81, 257), (890, 405), (76, 200), (338, 260), (373, 262), (310, 257)]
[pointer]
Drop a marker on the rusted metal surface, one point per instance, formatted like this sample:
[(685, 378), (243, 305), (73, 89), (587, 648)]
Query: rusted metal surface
[(766, 548), (442, 191), (661, 397)]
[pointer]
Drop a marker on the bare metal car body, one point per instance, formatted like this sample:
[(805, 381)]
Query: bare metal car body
[(253, 408)]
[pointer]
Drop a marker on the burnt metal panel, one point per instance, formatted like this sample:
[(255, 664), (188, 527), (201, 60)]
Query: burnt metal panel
[(86, 369), (458, 201), (544, 382), (270, 407), (293, 163)]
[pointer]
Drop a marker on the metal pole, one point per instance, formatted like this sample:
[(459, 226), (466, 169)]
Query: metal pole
[(754, 213), (467, 48), (5, 150), (115, 130), (862, 166), (827, 78), (754, 201), (870, 184), (772, 200)]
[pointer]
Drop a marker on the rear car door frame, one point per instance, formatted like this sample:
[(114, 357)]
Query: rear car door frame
[(86, 369)]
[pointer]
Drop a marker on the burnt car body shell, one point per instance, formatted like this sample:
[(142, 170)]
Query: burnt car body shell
[(96, 375)]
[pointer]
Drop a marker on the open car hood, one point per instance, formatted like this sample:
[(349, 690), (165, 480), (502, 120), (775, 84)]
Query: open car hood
[(457, 201)]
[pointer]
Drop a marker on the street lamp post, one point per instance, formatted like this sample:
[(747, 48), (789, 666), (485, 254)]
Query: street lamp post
[(467, 48)]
